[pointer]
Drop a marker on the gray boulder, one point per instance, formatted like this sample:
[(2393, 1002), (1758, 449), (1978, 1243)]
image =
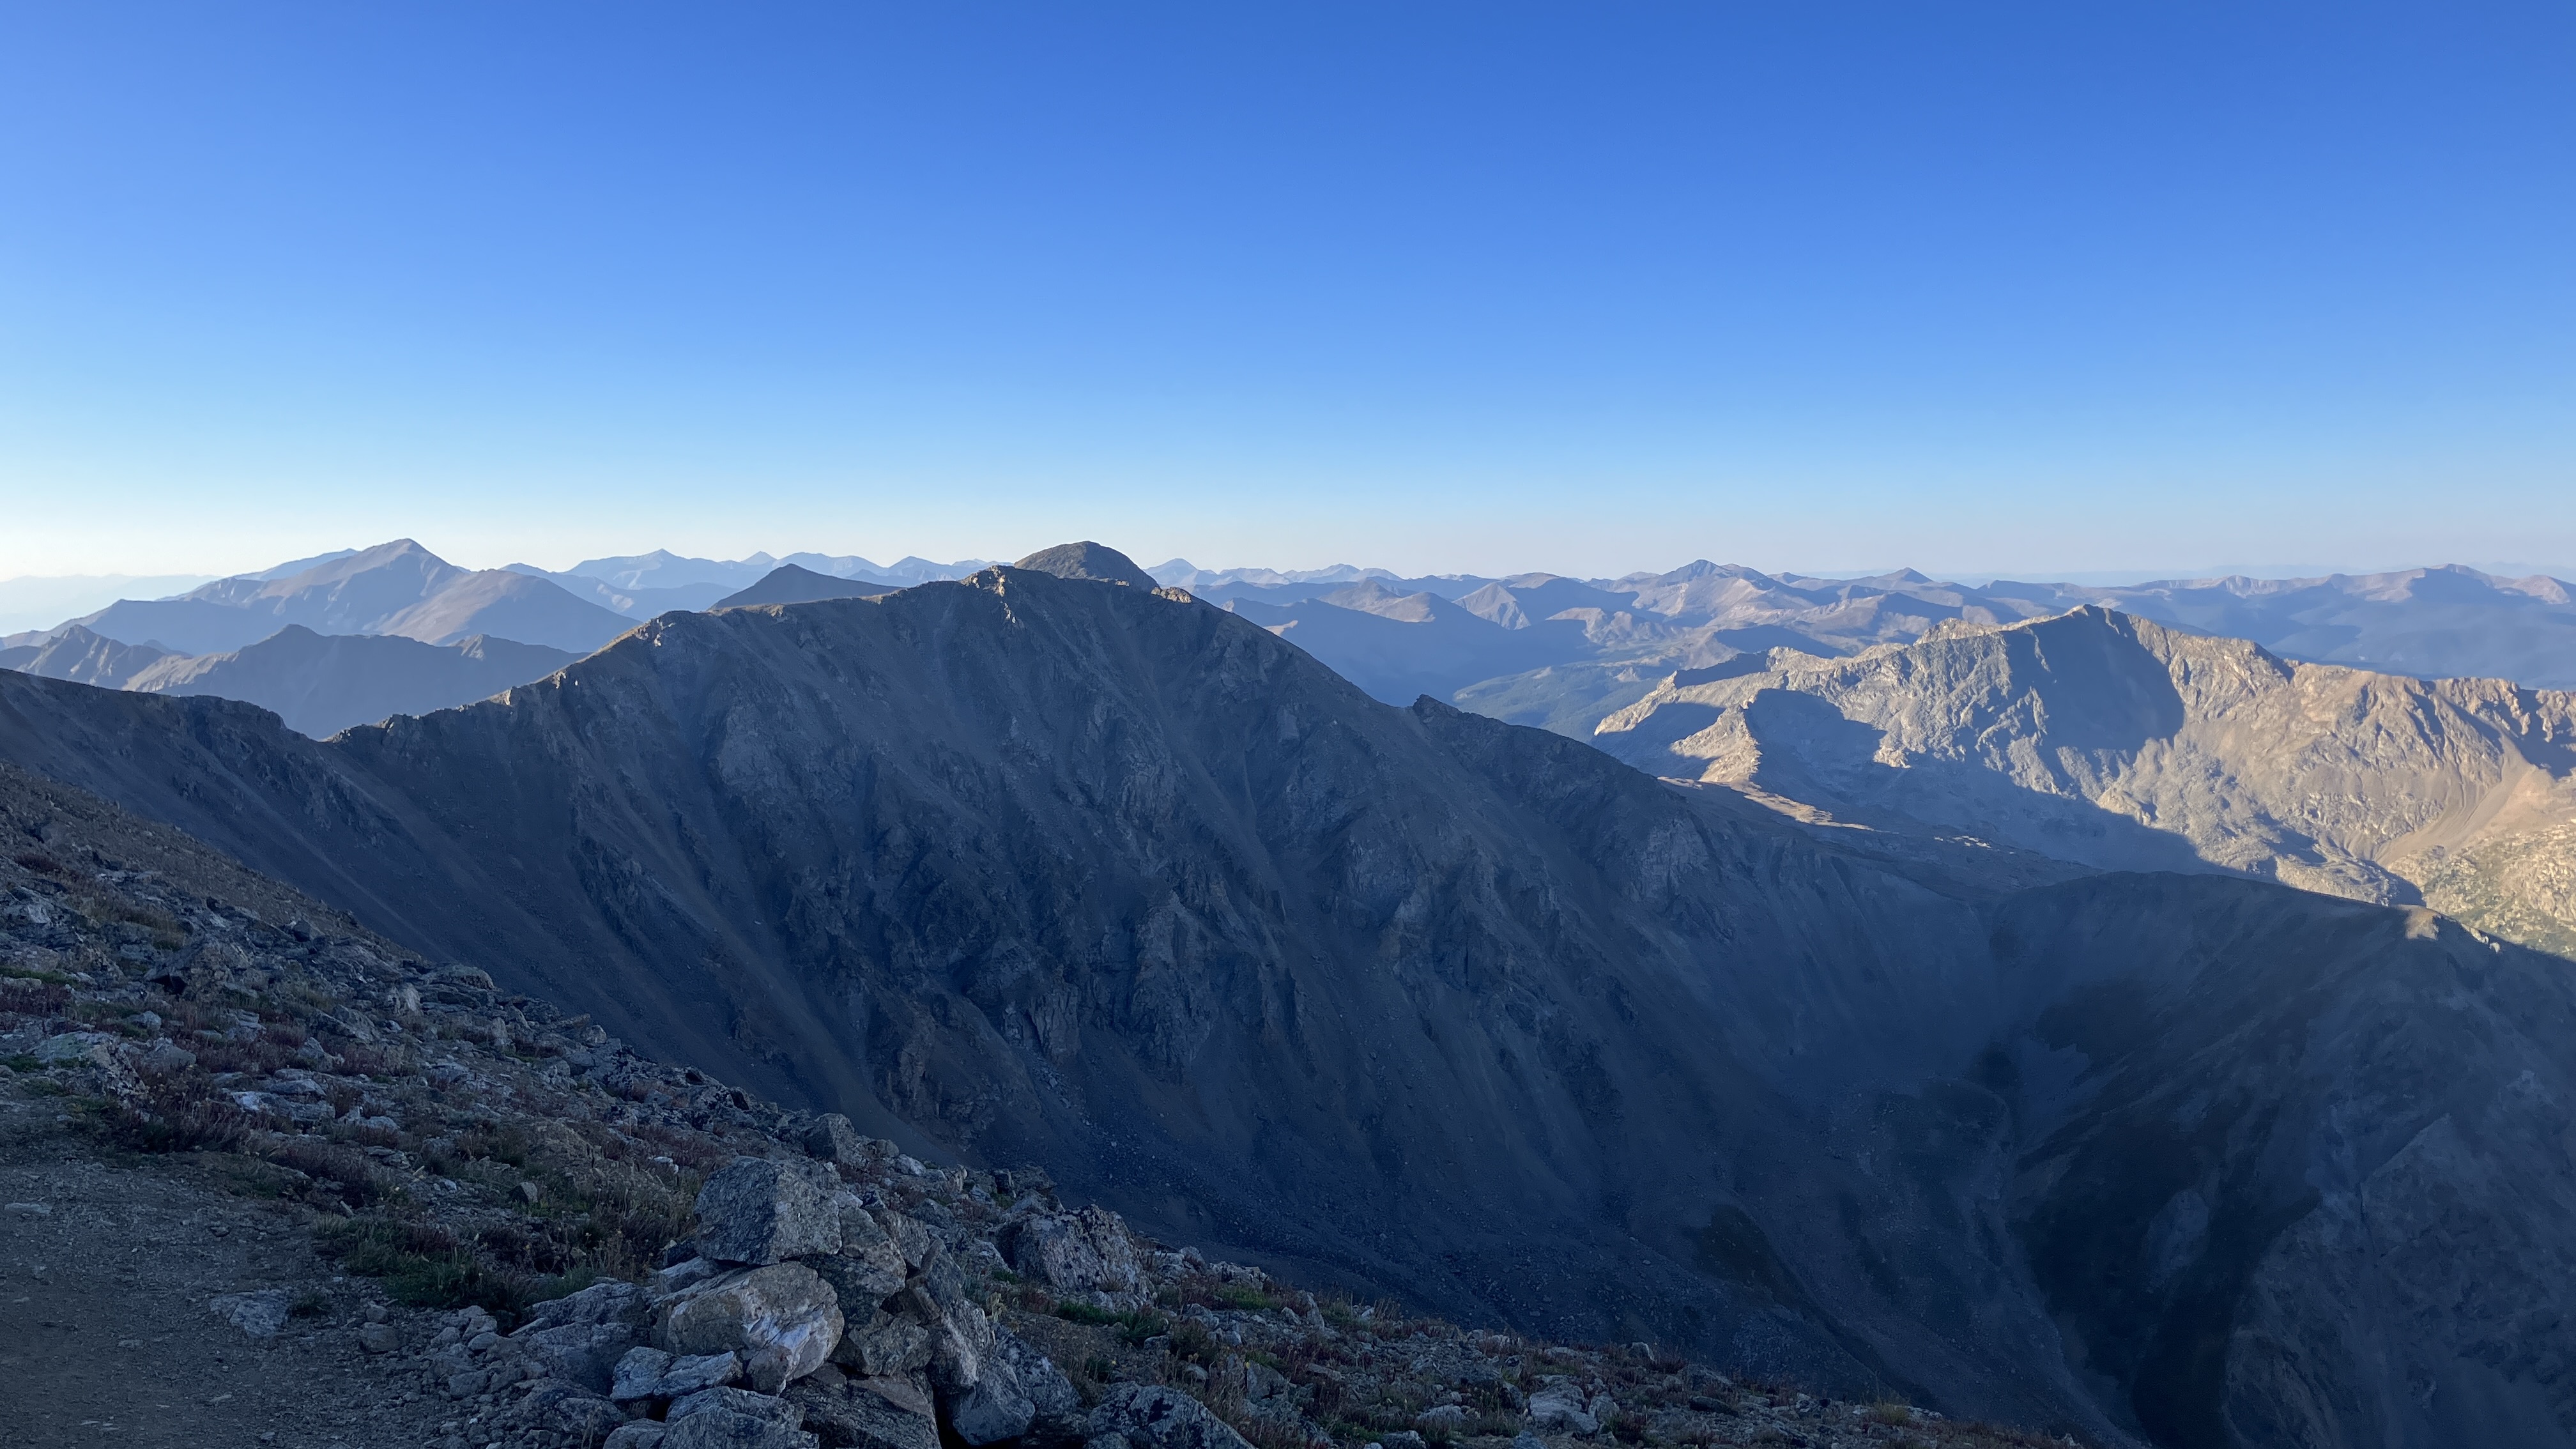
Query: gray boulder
[(1076, 1252), (1056, 1415), (833, 1139), (961, 1337), (908, 1392), (725, 1429), (1563, 1408), (859, 1227), (758, 1211), (1149, 1416), (911, 1235), (993, 1410), (650, 1373), (869, 1268), (567, 1409), (259, 1314), (769, 1407), (885, 1345), (1019, 1395), (638, 1372), (581, 1338), (164, 1059), (641, 1434), (847, 1416), (782, 1319)]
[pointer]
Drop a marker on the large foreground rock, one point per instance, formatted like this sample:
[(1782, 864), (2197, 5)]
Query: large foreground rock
[(1148, 1416), (1075, 1252), (755, 1210), (782, 1319), (580, 1338), (845, 1415)]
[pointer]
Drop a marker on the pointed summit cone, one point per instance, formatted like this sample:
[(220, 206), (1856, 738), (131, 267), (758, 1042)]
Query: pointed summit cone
[(1088, 560)]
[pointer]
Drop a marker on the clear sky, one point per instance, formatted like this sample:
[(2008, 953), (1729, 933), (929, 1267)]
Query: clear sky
[(1584, 286)]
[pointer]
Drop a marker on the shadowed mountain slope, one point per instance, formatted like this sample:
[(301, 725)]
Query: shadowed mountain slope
[(2119, 743), (76, 654), (1035, 868), (321, 684)]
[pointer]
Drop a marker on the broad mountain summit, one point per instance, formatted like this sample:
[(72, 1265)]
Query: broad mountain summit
[(1088, 560)]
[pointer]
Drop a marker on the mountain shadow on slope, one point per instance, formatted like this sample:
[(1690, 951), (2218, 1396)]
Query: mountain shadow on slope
[(322, 684), (1035, 868)]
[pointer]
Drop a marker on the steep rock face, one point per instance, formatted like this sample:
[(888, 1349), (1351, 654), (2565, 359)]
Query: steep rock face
[(2116, 742), (2299, 1157), (1035, 863), (1035, 868)]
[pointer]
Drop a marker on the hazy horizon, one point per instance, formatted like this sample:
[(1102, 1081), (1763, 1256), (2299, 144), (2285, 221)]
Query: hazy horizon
[(1442, 287)]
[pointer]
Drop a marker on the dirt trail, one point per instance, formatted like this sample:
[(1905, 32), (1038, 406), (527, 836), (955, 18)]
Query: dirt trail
[(106, 1337)]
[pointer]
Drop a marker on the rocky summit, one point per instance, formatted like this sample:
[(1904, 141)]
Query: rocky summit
[(1407, 1003), (388, 1204)]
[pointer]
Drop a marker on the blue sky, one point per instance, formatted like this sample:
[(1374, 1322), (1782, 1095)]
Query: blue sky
[(2023, 289)]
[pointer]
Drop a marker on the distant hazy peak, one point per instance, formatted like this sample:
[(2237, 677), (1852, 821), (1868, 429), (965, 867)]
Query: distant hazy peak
[(794, 584), (292, 567), (1087, 560)]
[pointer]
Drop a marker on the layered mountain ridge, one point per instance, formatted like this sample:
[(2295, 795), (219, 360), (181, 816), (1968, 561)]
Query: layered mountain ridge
[(1628, 632), (2119, 743), (1037, 867), (397, 588)]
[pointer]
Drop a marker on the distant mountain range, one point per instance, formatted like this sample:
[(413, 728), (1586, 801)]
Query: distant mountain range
[(397, 588), (2118, 743), (641, 586), (327, 642), (319, 684), (1543, 649), (2430, 623), (1040, 867)]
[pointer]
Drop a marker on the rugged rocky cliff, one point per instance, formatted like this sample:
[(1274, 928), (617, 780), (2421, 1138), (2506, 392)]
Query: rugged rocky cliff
[(1034, 868), (2113, 741)]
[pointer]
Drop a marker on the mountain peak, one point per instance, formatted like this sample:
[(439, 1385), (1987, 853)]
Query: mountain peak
[(1088, 560), (794, 584)]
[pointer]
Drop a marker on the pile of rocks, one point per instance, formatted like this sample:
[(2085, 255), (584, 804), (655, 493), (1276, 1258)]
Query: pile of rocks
[(576, 1246)]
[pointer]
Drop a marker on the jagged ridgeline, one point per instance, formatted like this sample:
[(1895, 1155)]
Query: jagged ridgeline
[(1067, 870)]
